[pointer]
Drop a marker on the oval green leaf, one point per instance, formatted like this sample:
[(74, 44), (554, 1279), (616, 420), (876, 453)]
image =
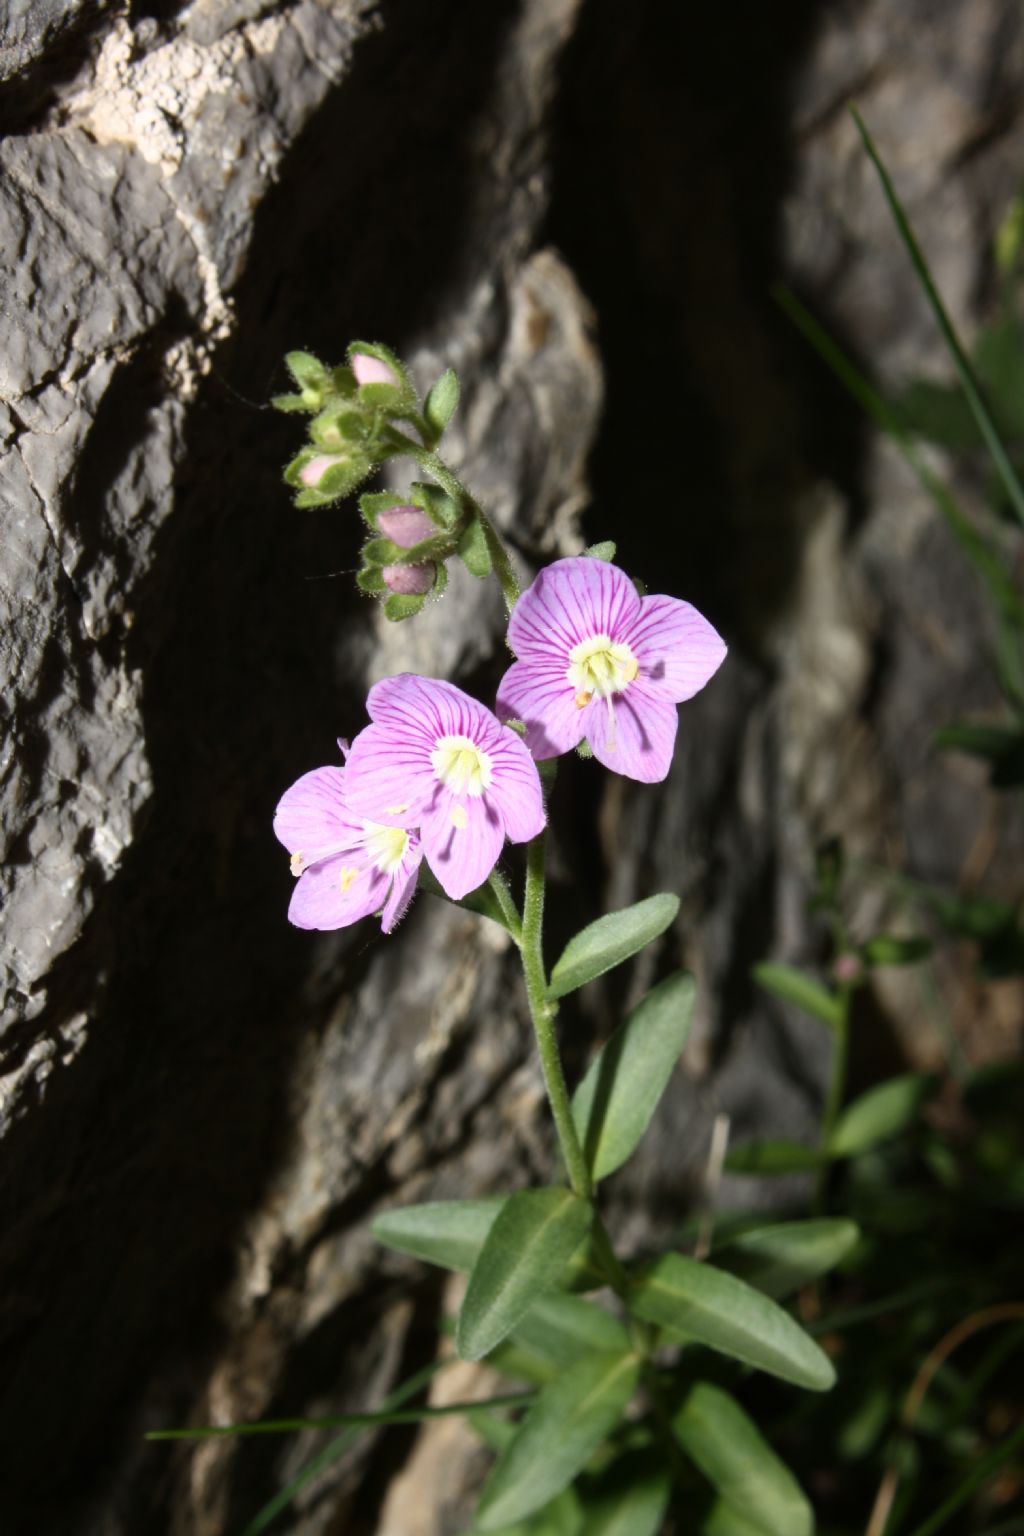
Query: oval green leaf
[(442, 400), (881, 1113), (560, 1328), (609, 941), (450, 1233), (632, 1503), (525, 1253), (707, 1306), (729, 1449), (613, 1105), (564, 1426), (780, 1258), (773, 1157), (802, 991), (722, 1520)]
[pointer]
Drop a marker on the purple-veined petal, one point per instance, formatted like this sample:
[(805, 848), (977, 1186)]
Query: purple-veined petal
[(539, 693), (677, 649), (515, 788), (403, 889), (424, 708), (318, 900), (462, 838), (313, 814), (638, 739), (570, 601), (389, 777)]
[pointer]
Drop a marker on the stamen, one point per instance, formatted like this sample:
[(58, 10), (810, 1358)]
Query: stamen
[(461, 765), (601, 665), (298, 862), (348, 874), (386, 846), (459, 817)]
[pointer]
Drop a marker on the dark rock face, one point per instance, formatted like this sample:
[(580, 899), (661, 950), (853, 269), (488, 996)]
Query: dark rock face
[(201, 1107)]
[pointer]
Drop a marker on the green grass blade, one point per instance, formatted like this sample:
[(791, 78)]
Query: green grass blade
[(961, 361), (985, 559), (337, 1420), (337, 1447), (979, 1475)]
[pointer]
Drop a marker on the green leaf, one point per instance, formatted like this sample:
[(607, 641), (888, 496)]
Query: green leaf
[(888, 949), (450, 1233), (780, 1258), (881, 1113), (631, 1499), (442, 401), (1001, 746), (802, 991), (483, 900), (609, 941), (723, 1520), (729, 1449), (603, 551), (566, 1423), (710, 1307), (526, 1252), (473, 550), (773, 1157), (613, 1105), (560, 1328), (370, 580)]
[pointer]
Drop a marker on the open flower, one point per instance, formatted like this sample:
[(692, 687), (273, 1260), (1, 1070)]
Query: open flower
[(436, 759), (347, 867), (599, 661)]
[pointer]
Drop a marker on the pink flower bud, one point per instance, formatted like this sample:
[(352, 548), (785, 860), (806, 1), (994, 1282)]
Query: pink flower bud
[(847, 968), (405, 526), (312, 473), (370, 370), (409, 580)]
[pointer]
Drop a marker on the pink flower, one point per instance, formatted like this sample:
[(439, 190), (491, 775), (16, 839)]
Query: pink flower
[(347, 867), (597, 660), (313, 472), (436, 759), (370, 370), (409, 580), (405, 526)]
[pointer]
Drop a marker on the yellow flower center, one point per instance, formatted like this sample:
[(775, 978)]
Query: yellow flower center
[(385, 845), (461, 766), (602, 666)]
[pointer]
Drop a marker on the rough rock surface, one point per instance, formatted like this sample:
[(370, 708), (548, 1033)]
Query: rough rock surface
[(201, 1109)]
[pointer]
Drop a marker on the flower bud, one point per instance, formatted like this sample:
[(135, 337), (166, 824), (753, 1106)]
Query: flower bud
[(410, 580), (370, 370), (405, 526), (313, 472)]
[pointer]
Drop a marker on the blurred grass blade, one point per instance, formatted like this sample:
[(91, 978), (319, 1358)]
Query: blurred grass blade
[(613, 1105), (781, 1258), (707, 1306), (729, 1449), (976, 1478), (337, 1420), (526, 1251), (610, 940), (961, 361), (337, 1447), (802, 991), (567, 1422), (772, 1158), (985, 559)]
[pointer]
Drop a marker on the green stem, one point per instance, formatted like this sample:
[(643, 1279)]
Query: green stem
[(542, 1014), (836, 1089)]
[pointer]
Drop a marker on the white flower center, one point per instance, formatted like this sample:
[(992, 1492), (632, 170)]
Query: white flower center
[(461, 766), (602, 666), (385, 845)]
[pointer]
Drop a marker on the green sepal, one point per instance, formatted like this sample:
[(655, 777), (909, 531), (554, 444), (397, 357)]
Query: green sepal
[(403, 605), (887, 949), (371, 579), (293, 403), (605, 550), (381, 551), (435, 503), (336, 428), (383, 395), (473, 551), (584, 750), (442, 401), (309, 373), (525, 1253)]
